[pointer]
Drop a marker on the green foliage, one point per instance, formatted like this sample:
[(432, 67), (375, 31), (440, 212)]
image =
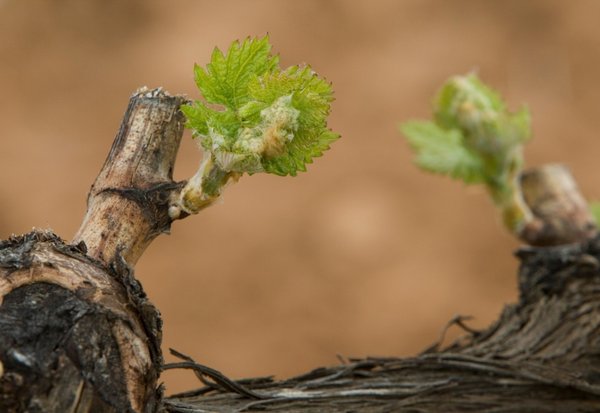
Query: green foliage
[(473, 137), (466, 104), (442, 151), (257, 117)]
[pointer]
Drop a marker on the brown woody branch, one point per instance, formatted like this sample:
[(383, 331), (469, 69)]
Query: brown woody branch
[(78, 335), (540, 356), (128, 203), (561, 214)]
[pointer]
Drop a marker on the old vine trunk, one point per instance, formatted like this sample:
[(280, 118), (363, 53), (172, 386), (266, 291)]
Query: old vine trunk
[(542, 355), (78, 334)]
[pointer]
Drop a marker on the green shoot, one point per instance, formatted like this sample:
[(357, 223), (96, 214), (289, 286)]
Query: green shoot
[(255, 117), (474, 138)]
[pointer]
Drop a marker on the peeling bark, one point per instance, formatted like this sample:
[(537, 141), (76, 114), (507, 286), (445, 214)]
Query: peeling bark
[(75, 336), (542, 355), (77, 333), (128, 203)]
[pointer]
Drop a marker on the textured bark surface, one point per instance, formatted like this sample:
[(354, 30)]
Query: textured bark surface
[(75, 336), (128, 203), (562, 215), (77, 333), (542, 355)]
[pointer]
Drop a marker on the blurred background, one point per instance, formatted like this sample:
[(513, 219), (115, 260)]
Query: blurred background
[(364, 254)]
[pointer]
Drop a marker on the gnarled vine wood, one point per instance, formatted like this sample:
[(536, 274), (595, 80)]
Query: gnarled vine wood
[(78, 334)]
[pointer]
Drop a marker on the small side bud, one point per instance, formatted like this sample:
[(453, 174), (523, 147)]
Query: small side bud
[(174, 212)]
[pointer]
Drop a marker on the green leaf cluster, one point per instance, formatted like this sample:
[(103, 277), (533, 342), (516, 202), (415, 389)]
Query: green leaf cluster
[(443, 151), (473, 137), (257, 117)]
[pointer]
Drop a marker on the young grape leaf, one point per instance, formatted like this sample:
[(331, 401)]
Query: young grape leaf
[(443, 151), (256, 117), (473, 136)]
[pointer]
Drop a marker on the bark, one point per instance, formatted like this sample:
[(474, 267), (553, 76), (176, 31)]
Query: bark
[(561, 214), (78, 334), (128, 203), (75, 335), (542, 355)]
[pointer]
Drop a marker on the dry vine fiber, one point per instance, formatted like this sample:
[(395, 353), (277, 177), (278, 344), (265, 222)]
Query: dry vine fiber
[(78, 334), (542, 355)]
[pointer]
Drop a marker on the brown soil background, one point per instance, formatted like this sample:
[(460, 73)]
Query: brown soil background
[(363, 255)]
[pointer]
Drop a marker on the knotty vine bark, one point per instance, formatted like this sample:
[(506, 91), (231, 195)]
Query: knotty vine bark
[(540, 356), (78, 334)]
